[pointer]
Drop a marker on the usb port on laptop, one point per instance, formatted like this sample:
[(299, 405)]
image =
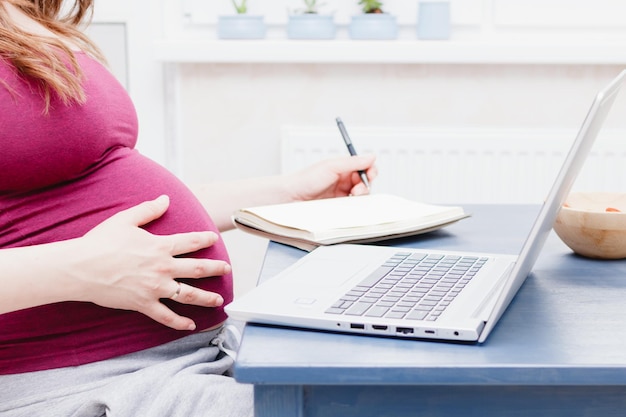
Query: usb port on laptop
[(404, 330)]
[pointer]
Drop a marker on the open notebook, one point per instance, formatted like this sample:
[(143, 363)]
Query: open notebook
[(368, 218), (389, 291)]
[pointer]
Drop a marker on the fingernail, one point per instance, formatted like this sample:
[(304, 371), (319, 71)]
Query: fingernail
[(191, 327), (219, 301)]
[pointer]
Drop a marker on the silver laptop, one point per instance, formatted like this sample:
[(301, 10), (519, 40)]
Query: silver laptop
[(400, 292)]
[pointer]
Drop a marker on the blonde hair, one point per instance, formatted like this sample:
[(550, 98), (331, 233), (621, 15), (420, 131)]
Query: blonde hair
[(48, 61)]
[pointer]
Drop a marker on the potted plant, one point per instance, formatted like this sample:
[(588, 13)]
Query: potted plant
[(308, 23), (241, 25), (373, 23)]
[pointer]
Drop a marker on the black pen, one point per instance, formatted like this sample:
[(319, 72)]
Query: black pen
[(346, 139)]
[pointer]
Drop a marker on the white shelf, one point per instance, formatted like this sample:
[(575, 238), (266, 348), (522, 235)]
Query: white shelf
[(598, 52)]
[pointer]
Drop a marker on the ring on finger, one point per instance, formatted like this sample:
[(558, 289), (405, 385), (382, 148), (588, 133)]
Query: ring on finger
[(177, 292)]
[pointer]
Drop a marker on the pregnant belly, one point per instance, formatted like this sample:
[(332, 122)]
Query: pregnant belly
[(86, 332), (121, 180)]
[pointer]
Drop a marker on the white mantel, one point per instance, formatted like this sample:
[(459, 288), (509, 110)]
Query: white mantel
[(569, 51)]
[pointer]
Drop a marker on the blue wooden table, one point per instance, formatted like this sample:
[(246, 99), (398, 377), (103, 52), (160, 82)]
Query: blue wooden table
[(559, 349)]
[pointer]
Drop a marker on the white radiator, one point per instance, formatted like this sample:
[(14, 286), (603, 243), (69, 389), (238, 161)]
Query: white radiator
[(445, 165)]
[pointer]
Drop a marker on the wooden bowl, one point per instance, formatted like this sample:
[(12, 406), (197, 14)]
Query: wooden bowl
[(593, 224)]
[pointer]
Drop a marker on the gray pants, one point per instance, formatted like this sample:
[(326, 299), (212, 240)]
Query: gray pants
[(185, 378)]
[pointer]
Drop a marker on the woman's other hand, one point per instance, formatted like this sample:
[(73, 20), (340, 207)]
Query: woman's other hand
[(337, 177)]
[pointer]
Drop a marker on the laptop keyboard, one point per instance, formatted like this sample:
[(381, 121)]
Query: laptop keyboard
[(411, 286)]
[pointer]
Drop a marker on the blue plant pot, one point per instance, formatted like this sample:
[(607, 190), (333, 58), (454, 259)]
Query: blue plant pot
[(433, 20), (311, 26), (373, 26), (241, 27)]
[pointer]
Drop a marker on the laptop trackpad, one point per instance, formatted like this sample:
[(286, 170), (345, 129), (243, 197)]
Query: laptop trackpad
[(325, 273)]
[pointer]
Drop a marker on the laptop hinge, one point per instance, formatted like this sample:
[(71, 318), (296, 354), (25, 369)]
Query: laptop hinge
[(485, 308)]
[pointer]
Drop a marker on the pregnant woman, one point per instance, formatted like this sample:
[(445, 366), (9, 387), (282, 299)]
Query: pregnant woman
[(114, 274)]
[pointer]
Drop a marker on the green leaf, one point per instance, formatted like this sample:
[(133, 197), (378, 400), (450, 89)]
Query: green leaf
[(240, 7)]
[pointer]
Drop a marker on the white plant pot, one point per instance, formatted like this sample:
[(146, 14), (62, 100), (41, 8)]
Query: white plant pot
[(241, 27), (373, 26), (311, 26), (433, 20)]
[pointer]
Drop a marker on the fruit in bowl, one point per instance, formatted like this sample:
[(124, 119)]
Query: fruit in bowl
[(593, 224)]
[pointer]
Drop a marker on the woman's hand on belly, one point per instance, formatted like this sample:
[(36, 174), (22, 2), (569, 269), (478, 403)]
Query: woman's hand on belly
[(123, 266)]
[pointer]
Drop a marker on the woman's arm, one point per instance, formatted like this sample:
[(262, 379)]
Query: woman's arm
[(117, 264), (330, 178)]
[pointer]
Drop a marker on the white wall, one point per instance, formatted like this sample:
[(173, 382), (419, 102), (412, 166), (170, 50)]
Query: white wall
[(233, 113), (234, 108)]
